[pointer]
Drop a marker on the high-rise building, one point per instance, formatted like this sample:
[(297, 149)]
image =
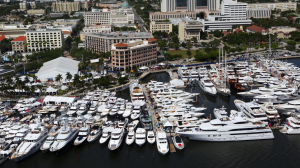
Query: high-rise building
[(189, 5), (231, 10), (102, 17), (213, 5), (69, 6)]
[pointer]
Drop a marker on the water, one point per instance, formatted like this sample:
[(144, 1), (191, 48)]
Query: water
[(283, 151)]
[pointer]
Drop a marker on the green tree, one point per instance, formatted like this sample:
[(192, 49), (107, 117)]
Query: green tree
[(162, 44), (194, 39), (176, 46), (189, 53)]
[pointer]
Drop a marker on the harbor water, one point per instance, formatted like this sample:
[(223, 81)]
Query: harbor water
[(283, 151)]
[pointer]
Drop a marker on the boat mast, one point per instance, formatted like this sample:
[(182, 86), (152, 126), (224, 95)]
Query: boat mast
[(269, 46)]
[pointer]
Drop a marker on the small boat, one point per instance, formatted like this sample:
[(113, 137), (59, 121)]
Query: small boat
[(151, 137), (140, 136), (236, 84), (130, 137), (178, 143)]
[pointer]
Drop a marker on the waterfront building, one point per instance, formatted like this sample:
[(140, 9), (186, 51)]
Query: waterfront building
[(134, 53)]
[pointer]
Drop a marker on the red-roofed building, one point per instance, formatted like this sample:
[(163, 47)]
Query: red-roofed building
[(135, 53), (66, 34), (255, 29), (2, 38), (19, 44), (225, 33)]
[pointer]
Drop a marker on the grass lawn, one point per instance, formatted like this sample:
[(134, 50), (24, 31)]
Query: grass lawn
[(286, 40), (183, 52)]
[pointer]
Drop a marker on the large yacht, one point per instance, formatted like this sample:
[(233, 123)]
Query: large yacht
[(116, 138), (136, 92), (64, 138), (50, 139), (140, 136), (32, 142), (293, 125), (207, 86), (252, 110), (82, 135), (162, 142), (235, 128)]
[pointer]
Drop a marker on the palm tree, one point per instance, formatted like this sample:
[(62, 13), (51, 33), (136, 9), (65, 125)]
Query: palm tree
[(69, 76), (34, 78), (58, 78), (26, 79)]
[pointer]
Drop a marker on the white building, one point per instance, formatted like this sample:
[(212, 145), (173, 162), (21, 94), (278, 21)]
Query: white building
[(233, 10), (282, 6), (213, 5), (43, 38), (101, 17), (258, 13)]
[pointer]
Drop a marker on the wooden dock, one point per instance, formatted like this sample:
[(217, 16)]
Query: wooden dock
[(171, 145)]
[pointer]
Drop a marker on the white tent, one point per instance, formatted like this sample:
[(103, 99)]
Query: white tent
[(60, 65), (143, 68), (58, 100), (64, 87), (176, 82), (51, 90)]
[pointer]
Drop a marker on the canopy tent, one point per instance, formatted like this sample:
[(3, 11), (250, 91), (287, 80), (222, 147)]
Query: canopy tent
[(138, 103), (176, 82), (60, 65), (63, 87), (161, 64), (168, 124), (51, 89), (143, 68), (59, 100)]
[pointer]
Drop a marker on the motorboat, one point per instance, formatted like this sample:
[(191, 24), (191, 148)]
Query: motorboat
[(82, 109), (251, 110), (293, 124), (121, 110), (130, 137), (93, 109), (82, 135), (114, 110), (105, 135), (64, 139), (95, 133), (220, 113), (162, 142), (136, 92), (116, 138), (19, 137), (207, 86), (234, 128), (178, 142), (265, 97), (135, 113), (32, 142), (133, 124), (140, 136), (50, 139), (74, 108), (150, 137), (106, 111)]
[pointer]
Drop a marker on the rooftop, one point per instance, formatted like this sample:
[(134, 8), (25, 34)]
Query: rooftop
[(257, 28), (2, 37), (121, 45), (20, 38)]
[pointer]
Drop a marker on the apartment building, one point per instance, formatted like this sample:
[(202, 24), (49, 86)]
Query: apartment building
[(38, 12), (19, 44), (102, 17), (101, 42), (69, 6), (43, 38), (161, 26), (282, 6), (134, 53)]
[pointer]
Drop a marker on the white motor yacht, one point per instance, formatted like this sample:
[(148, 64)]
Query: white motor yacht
[(265, 97), (121, 110), (235, 128), (64, 139), (105, 135), (220, 113), (130, 137), (136, 92), (140, 136), (93, 109), (106, 111), (252, 111), (50, 139), (151, 137), (74, 108), (82, 135), (114, 110), (162, 142), (293, 124), (94, 134), (32, 142), (207, 86), (116, 138), (136, 113), (82, 109)]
